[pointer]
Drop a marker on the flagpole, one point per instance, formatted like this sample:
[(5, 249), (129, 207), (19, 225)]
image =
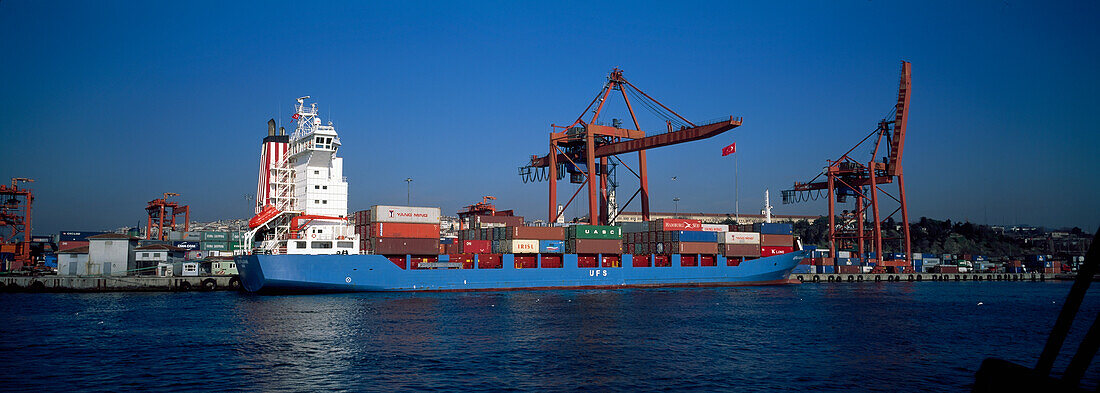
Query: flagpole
[(736, 190)]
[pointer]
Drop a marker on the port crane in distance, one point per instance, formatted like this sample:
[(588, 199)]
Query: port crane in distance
[(583, 149), (15, 222), (161, 210), (849, 177)]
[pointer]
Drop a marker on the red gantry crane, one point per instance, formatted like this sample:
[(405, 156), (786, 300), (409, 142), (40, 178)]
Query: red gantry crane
[(15, 222), (162, 217), (847, 177), (577, 147)]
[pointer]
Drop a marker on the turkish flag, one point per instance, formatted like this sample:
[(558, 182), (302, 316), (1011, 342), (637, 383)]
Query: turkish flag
[(732, 148)]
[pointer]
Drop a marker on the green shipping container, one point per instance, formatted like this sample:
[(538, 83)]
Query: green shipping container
[(237, 246), (595, 232), (236, 236), (212, 236), (214, 246)]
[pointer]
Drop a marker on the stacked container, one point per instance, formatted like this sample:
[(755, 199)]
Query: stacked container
[(593, 239), (740, 244), (775, 239), (400, 230), (528, 240)]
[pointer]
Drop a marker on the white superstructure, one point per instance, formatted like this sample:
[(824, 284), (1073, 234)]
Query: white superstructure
[(306, 209)]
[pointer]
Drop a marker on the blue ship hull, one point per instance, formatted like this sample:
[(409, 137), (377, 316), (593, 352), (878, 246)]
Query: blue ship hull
[(376, 273)]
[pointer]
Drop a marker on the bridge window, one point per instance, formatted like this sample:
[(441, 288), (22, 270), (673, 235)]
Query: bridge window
[(322, 244), (345, 244), (299, 244)]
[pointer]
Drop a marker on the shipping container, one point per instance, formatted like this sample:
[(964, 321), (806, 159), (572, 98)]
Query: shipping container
[(214, 246), (518, 246), (741, 250), (634, 227), (405, 230), (693, 236), (76, 236), (215, 236), (409, 214), (825, 269), (803, 269), (68, 244), (847, 269), (187, 245), (774, 228), (946, 269), (772, 251), (534, 233), (715, 228), (496, 221), (768, 240), (402, 246), (593, 246), (695, 248), (594, 232), (675, 224), (844, 254), (551, 246), (740, 238)]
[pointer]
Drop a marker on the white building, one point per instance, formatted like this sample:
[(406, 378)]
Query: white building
[(111, 254), (73, 262), (149, 257)]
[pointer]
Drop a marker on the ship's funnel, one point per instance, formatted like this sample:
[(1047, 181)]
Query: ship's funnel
[(282, 131), (270, 127)]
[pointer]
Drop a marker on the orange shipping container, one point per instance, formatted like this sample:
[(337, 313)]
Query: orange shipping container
[(405, 230), (776, 240)]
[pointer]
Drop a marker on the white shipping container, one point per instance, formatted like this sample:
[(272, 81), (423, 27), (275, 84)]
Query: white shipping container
[(412, 214), (715, 228), (740, 238), (867, 269), (520, 246), (843, 254)]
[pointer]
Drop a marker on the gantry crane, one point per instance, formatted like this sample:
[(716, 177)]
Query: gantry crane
[(848, 177), (161, 210), (576, 147), (15, 222)]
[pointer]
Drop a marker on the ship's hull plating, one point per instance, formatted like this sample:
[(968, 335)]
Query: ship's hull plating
[(375, 273)]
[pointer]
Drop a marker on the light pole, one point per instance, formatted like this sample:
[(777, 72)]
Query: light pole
[(676, 207), (408, 196)]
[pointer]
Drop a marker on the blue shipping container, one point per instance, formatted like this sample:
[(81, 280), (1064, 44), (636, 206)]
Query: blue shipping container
[(696, 236), (76, 236), (551, 246), (448, 240), (803, 269), (775, 228), (826, 269), (51, 261), (187, 245), (845, 262)]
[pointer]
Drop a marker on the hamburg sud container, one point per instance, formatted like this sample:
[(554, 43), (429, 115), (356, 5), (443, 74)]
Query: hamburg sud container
[(409, 214), (675, 224)]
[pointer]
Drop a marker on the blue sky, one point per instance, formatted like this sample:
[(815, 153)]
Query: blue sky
[(109, 104)]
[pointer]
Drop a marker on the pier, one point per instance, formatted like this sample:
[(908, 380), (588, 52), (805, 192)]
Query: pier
[(118, 284), (921, 277)]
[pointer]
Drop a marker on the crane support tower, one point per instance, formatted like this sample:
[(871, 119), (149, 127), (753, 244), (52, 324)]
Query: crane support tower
[(847, 177), (583, 149), (162, 217), (15, 223)]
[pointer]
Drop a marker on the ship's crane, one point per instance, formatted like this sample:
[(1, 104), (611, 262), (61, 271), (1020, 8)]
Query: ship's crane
[(575, 148), (162, 217), (15, 222), (847, 176)]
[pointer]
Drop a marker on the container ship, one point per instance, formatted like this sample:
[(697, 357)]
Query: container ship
[(304, 240)]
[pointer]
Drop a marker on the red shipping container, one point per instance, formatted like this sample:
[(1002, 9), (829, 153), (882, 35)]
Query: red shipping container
[(946, 269), (71, 244), (551, 261), (414, 262), (773, 251), (595, 246), (733, 261), (402, 246), (742, 250), (640, 260), (612, 261), (845, 269), (688, 260), (490, 261), (587, 261), (527, 261), (405, 230), (708, 260), (675, 224), (399, 261), (467, 260), (662, 261), (477, 246), (695, 248)]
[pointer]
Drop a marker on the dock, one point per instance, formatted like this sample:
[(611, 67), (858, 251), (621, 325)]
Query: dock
[(920, 277), (48, 283)]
